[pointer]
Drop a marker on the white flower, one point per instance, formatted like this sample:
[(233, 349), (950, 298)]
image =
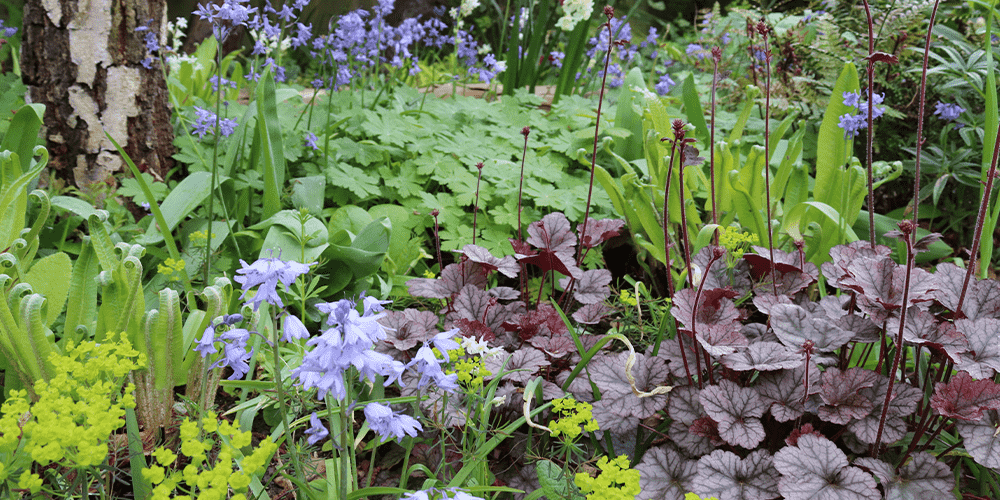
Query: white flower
[(468, 6), (499, 400), (575, 11)]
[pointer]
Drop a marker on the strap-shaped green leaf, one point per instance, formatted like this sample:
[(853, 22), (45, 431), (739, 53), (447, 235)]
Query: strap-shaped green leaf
[(272, 148), (81, 301), (21, 138), (32, 315)]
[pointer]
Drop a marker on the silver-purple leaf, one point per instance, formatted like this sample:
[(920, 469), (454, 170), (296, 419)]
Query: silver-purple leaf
[(983, 357), (692, 444), (815, 469), (737, 410), (609, 418), (982, 298), (723, 474), (784, 391), (922, 477), (592, 314), (591, 286), (665, 475), (794, 326), (598, 231), (607, 371), (721, 339), (763, 356), (409, 327), (526, 361), (453, 278), (903, 403), (842, 397), (506, 265), (981, 439), (684, 404)]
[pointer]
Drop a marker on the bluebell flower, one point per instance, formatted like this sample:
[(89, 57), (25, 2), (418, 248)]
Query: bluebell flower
[(947, 111), (725, 38), (443, 342), (852, 124), (664, 85), (304, 32), (429, 368), (225, 17), (293, 329), (8, 31), (205, 123), (851, 98), (650, 38), (692, 48), (387, 423), (265, 274), (556, 58), (316, 431), (311, 139), (234, 352)]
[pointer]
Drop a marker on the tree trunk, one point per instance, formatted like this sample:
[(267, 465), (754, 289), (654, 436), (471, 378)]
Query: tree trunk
[(82, 59)]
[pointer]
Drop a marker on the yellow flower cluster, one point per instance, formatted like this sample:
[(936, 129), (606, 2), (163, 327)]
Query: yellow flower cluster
[(572, 415), (470, 369), (617, 481), (736, 241), (210, 482), (628, 299), (171, 268), (76, 412), (200, 238), (694, 496)]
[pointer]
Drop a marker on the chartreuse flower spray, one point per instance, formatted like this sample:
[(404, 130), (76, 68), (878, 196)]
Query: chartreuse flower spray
[(70, 424)]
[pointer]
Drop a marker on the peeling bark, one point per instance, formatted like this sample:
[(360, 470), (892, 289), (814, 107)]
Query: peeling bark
[(82, 59)]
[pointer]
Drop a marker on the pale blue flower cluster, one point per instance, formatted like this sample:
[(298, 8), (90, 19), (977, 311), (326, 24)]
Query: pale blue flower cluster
[(852, 123), (205, 123), (947, 111), (264, 274), (439, 494)]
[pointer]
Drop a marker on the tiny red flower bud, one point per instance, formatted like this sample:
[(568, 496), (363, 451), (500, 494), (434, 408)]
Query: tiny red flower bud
[(525, 131), (609, 12), (479, 165), (718, 252), (906, 226), (435, 212), (717, 54)]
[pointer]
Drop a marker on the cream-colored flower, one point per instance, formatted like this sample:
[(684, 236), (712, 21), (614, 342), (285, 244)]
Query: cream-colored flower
[(575, 11)]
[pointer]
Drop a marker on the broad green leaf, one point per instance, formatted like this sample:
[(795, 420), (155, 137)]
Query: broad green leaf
[(692, 108), (833, 149), (307, 192), (21, 138), (51, 277), (188, 195)]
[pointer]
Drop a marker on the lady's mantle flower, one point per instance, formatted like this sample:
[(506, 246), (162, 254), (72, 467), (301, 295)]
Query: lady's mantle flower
[(265, 274), (948, 112), (317, 431), (386, 422)]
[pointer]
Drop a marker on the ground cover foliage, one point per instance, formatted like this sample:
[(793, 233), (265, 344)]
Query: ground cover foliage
[(682, 273)]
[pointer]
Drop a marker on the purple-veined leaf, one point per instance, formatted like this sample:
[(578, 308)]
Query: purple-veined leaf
[(409, 327), (922, 328), (670, 350), (721, 339), (784, 262), (690, 156), (715, 306), (883, 57), (841, 395), (544, 321), (610, 419), (693, 444), (758, 332), (784, 390), (843, 255), (526, 360), (786, 283), (805, 430), (591, 287), (862, 328), (815, 469), (504, 293), (721, 276), (554, 345), (556, 242), (454, 277), (707, 428), (684, 405), (833, 306), (794, 326), (737, 411), (723, 474), (763, 356), (506, 265), (903, 403), (599, 230), (607, 371), (591, 314), (982, 359), (964, 398), (923, 476), (766, 300), (665, 475), (982, 299), (982, 439), (475, 329), (879, 283)]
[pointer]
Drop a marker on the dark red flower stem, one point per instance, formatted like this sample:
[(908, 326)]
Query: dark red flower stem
[(764, 30), (609, 12), (920, 114), (907, 227), (437, 239), (871, 135), (717, 253), (666, 254), (475, 208), (980, 220), (520, 189), (716, 58)]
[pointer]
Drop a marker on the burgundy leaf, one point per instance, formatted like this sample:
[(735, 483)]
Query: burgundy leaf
[(964, 398), (715, 306), (555, 241), (807, 429), (981, 439), (475, 329), (784, 391), (506, 265), (883, 57), (708, 429), (784, 262), (766, 300), (983, 357), (841, 395), (599, 230), (737, 411), (794, 326), (504, 293), (665, 475), (694, 445), (409, 327), (816, 469), (592, 314), (723, 474), (591, 287), (721, 339), (607, 371), (763, 356), (690, 156)]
